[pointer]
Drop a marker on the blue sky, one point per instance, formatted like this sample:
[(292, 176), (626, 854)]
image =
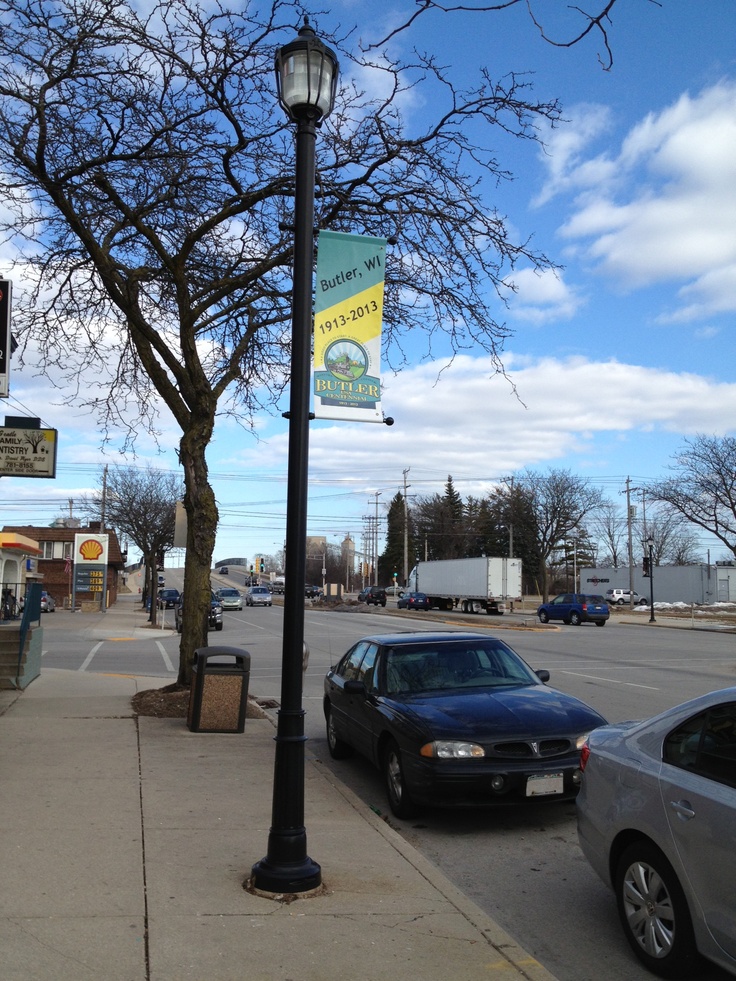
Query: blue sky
[(626, 351)]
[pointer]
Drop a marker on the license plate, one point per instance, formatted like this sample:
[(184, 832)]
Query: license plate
[(541, 784)]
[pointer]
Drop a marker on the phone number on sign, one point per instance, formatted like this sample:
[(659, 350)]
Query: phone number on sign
[(364, 310)]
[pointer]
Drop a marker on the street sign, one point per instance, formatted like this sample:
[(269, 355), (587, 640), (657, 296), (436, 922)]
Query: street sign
[(27, 452)]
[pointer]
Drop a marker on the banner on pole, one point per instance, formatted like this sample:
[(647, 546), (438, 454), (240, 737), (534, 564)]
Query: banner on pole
[(348, 316)]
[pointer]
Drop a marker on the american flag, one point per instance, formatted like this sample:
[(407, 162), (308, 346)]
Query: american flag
[(67, 566)]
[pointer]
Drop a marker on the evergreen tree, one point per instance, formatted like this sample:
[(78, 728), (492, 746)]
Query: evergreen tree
[(392, 559)]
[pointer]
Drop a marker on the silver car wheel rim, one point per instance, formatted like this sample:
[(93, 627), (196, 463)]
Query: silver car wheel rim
[(331, 735), (394, 775), (649, 910)]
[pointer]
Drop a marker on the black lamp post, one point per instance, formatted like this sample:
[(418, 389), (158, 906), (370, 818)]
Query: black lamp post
[(306, 79), (650, 545)]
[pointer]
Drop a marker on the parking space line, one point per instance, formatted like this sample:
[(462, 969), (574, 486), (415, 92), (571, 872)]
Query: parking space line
[(610, 681), (88, 659), (164, 654)]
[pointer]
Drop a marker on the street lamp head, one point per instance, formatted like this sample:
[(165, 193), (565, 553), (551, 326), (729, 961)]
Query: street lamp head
[(650, 541), (306, 77)]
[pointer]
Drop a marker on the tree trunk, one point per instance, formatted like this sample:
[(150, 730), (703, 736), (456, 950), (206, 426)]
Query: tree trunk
[(544, 576), (202, 517)]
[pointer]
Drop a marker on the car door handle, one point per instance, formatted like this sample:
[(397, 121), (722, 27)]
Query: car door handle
[(682, 808)]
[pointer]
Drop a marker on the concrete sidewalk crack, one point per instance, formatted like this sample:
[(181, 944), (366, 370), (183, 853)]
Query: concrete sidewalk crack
[(147, 951)]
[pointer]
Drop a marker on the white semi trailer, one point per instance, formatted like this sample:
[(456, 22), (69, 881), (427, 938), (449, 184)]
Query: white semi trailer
[(477, 585)]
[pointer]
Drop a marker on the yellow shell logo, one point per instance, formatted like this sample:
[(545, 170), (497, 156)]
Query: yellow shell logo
[(90, 549)]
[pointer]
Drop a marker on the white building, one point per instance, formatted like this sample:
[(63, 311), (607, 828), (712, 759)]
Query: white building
[(700, 583)]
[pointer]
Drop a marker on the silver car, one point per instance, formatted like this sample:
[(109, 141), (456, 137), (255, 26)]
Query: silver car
[(656, 819), (258, 596), (48, 604), (230, 598)]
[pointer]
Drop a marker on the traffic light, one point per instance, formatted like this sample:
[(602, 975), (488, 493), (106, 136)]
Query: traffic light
[(645, 567), (263, 566)]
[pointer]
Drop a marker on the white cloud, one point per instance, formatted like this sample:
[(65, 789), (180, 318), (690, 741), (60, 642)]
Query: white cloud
[(466, 421), (563, 152), (670, 213), (542, 296)]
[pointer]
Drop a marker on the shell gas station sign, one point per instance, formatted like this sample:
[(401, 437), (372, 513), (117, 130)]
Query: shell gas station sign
[(90, 563)]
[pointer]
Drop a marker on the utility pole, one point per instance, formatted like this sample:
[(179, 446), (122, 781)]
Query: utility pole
[(103, 503), (375, 545), (406, 530), (631, 548), (511, 521)]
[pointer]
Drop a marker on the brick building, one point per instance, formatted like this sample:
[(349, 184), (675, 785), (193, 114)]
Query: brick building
[(54, 565)]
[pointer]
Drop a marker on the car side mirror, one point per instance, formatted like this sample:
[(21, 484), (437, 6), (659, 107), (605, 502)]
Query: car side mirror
[(354, 688), (543, 675)]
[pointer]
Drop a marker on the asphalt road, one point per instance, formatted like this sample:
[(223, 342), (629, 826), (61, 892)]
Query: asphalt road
[(521, 864)]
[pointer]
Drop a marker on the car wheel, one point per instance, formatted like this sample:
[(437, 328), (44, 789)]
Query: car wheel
[(575, 619), (178, 627), (399, 798), (620, 601), (543, 616), (384, 603), (219, 626), (600, 623), (339, 749), (654, 912)]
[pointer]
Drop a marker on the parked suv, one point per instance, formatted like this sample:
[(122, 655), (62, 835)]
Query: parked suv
[(374, 595), (575, 608), (620, 597), (213, 620)]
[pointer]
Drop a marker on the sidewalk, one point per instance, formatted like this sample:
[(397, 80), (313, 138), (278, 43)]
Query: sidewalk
[(125, 841)]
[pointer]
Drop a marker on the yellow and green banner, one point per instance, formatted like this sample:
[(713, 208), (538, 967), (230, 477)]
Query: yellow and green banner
[(348, 315)]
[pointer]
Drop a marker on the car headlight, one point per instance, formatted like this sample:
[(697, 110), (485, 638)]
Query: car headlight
[(451, 749), (217, 609)]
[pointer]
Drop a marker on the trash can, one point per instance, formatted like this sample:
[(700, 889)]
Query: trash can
[(219, 692)]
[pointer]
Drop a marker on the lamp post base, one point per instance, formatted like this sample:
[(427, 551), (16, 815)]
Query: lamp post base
[(271, 877)]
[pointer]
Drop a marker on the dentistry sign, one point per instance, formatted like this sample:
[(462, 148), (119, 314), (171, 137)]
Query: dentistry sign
[(348, 315)]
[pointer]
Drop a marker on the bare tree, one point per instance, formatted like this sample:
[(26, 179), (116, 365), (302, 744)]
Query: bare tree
[(596, 23), (702, 489), (610, 528), (147, 181), (560, 501), (141, 505)]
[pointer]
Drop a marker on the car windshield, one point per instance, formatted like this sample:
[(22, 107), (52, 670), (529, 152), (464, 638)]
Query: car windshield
[(229, 592), (259, 589), (420, 668)]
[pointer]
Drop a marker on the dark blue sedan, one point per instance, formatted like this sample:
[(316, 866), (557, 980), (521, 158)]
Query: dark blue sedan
[(455, 719), (414, 601)]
